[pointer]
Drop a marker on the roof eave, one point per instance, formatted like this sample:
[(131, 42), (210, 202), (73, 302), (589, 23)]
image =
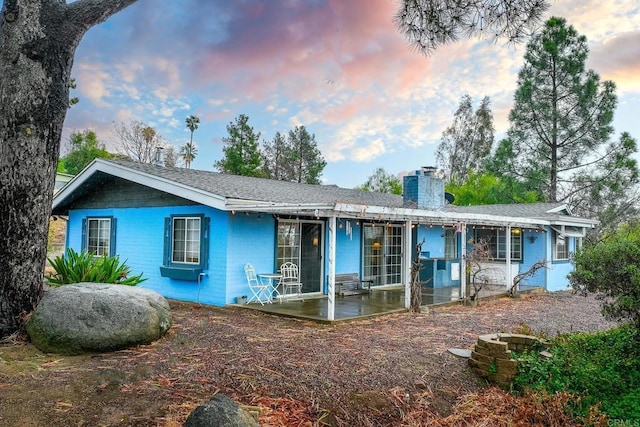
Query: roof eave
[(149, 180)]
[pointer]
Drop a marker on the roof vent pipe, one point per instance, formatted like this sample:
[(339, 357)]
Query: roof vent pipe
[(159, 157)]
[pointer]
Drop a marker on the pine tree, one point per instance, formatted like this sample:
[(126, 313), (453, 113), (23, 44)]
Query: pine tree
[(241, 153)]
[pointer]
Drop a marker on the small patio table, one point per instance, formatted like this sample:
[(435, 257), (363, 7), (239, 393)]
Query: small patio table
[(272, 280)]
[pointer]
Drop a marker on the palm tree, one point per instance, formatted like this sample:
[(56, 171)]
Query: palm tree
[(189, 151)]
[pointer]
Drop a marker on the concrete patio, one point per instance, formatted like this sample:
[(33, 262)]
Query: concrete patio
[(375, 303)]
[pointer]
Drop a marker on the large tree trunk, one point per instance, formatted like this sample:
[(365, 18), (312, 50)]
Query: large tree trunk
[(38, 39)]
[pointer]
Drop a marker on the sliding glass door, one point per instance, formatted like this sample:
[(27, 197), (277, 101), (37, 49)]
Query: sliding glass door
[(301, 242), (382, 254)]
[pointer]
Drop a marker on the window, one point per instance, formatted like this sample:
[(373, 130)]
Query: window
[(560, 246), (450, 243), (497, 242), (99, 235), (186, 243), (186, 240)]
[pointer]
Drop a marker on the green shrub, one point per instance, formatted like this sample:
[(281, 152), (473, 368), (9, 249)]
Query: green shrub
[(74, 267), (603, 368), (610, 269)]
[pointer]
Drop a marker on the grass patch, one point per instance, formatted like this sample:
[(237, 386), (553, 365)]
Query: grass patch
[(602, 367)]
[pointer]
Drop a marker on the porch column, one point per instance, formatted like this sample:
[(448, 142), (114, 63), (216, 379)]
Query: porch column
[(407, 253), (508, 256), (331, 274), (463, 261)]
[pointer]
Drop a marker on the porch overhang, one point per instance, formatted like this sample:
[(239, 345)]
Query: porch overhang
[(396, 214)]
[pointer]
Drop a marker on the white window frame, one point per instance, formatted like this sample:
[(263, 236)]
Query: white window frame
[(101, 244), (498, 243), (560, 246), (186, 246)]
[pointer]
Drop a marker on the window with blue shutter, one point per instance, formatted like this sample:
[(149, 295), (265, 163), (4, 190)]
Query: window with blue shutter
[(186, 246), (99, 235)]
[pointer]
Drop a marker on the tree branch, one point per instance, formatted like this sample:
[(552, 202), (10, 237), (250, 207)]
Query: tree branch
[(84, 14)]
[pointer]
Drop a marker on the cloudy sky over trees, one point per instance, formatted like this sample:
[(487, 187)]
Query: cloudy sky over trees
[(340, 68)]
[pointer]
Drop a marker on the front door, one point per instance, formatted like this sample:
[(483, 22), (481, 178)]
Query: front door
[(302, 244)]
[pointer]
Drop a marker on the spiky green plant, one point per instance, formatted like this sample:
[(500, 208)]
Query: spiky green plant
[(74, 267)]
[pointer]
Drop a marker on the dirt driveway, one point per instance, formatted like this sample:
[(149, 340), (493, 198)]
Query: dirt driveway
[(366, 372)]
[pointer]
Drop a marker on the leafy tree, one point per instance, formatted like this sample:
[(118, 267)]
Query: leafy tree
[(561, 118), (295, 158), (382, 182), (560, 130), (467, 142), (488, 189), (428, 24), (610, 269), (138, 141), (276, 156), (189, 151), (38, 39), (306, 161), (84, 147), (241, 154)]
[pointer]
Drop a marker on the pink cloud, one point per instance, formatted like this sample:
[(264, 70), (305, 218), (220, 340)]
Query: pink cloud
[(618, 59)]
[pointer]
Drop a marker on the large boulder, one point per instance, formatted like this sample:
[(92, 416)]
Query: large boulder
[(220, 411), (97, 317)]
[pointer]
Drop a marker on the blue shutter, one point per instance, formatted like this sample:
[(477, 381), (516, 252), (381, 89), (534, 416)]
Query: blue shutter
[(112, 241), (83, 245), (167, 242), (204, 244)]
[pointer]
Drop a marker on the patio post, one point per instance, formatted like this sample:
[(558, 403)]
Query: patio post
[(408, 251), (508, 255), (331, 297), (463, 261)]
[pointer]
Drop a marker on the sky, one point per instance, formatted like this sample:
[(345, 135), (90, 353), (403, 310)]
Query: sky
[(338, 67)]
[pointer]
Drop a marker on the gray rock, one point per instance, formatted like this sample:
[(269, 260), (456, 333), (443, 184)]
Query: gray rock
[(97, 317), (220, 411), (460, 352)]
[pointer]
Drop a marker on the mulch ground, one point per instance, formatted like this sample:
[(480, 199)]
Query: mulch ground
[(391, 370)]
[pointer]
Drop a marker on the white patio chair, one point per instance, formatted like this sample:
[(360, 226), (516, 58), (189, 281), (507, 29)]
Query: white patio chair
[(290, 280), (258, 289)]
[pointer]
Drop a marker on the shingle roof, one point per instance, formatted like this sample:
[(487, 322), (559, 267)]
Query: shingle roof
[(264, 190), (518, 210), (257, 193)]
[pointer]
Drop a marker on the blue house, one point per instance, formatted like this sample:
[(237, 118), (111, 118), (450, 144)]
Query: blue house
[(191, 232)]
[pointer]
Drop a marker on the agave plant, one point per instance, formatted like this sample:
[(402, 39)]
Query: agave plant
[(74, 267)]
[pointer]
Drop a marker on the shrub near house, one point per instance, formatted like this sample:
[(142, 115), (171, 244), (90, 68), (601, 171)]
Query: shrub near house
[(86, 267)]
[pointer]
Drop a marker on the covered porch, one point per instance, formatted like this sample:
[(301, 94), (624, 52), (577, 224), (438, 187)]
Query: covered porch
[(356, 307)]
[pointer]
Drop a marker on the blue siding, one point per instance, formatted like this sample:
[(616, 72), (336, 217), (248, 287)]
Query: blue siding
[(140, 243), (533, 252), (251, 240), (348, 249), (433, 240), (558, 270)]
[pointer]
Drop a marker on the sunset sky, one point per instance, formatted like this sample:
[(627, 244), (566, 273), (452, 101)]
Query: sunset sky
[(338, 67)]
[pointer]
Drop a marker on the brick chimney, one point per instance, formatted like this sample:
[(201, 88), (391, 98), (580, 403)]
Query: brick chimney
[(424, 189)]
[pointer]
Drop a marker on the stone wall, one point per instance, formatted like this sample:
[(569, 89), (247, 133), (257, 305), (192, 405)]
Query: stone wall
[(491, 357)]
